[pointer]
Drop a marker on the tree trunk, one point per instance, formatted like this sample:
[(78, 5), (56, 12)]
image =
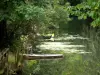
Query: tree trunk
[(3, 34)]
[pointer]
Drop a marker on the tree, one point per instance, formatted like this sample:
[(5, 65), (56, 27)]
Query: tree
[(27, 18), (89, 8)]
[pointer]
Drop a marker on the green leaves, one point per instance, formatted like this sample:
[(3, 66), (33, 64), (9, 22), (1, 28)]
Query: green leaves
[(83, 16), (29, 12), (87, 9), (96, 22)]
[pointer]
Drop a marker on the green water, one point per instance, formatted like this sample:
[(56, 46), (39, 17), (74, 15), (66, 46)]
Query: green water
[(76, 58)]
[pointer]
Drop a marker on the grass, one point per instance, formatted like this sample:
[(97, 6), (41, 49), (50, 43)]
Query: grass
[(11, 58)]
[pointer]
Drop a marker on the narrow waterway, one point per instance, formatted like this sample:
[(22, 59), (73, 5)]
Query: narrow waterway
[(66, 43), (76, 56)]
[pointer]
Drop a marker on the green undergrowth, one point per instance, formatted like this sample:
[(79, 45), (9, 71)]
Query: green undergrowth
[(71, 64), (11, 58)]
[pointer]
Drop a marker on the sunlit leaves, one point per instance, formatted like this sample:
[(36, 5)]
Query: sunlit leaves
[(24, 38), (29, 12), (82, 16), (96, 22), (88, 9)]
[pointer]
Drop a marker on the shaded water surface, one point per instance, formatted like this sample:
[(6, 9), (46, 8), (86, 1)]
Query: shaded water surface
[(66, 43), (76, 59)]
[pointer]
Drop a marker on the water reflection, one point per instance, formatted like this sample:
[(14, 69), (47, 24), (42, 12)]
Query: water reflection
[(72, 45)]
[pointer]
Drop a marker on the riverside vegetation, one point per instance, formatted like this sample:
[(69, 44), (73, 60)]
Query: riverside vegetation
[(22, 22)]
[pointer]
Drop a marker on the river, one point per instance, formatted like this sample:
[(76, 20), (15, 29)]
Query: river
[(76, 57), (66, 43)]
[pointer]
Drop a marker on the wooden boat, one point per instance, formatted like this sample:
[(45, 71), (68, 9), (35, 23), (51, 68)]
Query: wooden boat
[(41, 56)]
